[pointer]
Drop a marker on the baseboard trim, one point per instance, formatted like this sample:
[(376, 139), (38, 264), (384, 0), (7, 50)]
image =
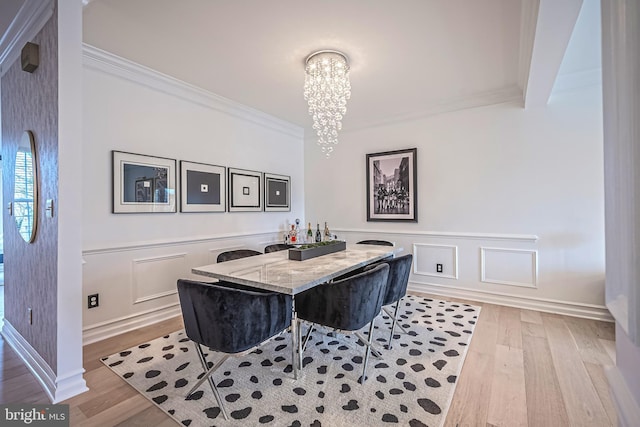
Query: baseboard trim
[(626, 406), (586, 311), (57, 388), (111, 328)]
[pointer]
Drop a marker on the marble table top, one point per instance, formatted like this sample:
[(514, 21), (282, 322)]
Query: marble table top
[(276, 272)]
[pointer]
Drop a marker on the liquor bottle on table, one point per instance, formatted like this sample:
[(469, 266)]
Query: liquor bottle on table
[(309, 234), (293, 236), (327, 233), (318, 234)]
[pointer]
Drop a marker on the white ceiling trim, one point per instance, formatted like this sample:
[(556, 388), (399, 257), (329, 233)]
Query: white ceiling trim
[(484, 99), (27, 23), (115, 65), (554, 27)]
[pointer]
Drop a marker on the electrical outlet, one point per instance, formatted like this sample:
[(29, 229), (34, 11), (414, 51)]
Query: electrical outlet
[(93, 300), (438, 268)]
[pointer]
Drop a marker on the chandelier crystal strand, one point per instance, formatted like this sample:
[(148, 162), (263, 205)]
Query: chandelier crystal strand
[(326, 89)]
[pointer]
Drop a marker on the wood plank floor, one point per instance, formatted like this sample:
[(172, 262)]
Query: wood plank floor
[(523, 368)]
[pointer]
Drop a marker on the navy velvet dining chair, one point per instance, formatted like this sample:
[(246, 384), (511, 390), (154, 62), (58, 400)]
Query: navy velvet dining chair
[(346, 305), (231, 319), (236, 254), (375, 242), (396, 289), (277, 247)]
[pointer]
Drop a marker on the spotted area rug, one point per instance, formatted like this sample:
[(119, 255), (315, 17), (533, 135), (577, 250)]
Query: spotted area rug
[(411, 385)]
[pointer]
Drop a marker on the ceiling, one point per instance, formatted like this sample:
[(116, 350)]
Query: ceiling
[(408, 58)]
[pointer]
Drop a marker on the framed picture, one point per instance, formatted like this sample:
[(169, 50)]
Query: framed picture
[(143, 184), (245, 190), (277, 193), (392, 193), (202, 187)]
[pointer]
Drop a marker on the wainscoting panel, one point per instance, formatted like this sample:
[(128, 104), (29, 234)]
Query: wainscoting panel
[(137, 282), (505, 266), (428, 256), (156, 277)]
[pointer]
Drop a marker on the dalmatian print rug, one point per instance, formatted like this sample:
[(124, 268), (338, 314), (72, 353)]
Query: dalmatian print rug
[(410, 385)]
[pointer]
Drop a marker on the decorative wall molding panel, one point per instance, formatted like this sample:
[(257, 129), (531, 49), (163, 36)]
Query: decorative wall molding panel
[(156, 277), (505, 266), (444, 234), (115, 65), (56, 388), (426, 257), (176, 242), (145, 274), (587, 311)]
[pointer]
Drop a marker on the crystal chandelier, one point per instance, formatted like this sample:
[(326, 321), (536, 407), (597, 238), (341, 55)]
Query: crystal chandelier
[(326, 89)]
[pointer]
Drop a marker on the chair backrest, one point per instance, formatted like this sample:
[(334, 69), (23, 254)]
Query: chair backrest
[(399, 271), (231, 318), (236, 254), (375, 242), (277, 247), (347, 304)]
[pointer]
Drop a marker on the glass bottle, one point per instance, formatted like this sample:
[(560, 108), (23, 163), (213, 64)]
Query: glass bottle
[(318, 234), (327, 233), (293, 237), (309, 234)]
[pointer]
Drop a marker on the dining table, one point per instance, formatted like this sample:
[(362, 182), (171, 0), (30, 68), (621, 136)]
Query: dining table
[(276, 272)]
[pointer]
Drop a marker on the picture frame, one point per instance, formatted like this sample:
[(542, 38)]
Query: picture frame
[(202, 187), (142, 183), (277, 193), (392, 193), (245, 190)]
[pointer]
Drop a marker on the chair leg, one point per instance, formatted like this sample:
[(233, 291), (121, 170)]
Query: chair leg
[(374, 349), (393, 323), (394, 316), (207, 377), (367, 351)]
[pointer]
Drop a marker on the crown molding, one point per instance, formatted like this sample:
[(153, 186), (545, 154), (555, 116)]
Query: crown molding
[(509, 94), (112, 64), (25, 26)]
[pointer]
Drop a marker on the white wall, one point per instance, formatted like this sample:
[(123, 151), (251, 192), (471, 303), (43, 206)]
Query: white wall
[(133, 260), (529, 182)]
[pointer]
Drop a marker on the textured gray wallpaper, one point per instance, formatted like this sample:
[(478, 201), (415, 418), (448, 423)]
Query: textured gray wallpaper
[(30, 102)]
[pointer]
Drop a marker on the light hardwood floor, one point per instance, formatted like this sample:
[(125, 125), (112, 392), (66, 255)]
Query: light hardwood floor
[(523, 368)]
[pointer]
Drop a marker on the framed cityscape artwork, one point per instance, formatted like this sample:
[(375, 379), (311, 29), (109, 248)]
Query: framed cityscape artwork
[(143, 184), (392, 186)]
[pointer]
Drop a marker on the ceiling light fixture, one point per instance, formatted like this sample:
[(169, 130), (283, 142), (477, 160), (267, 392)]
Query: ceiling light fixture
[(326, 89)]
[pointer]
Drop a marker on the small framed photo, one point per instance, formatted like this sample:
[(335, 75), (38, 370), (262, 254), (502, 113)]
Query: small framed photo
[(277, 193), (245, 190), (143, 184), (392, 186), (202, 187)]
